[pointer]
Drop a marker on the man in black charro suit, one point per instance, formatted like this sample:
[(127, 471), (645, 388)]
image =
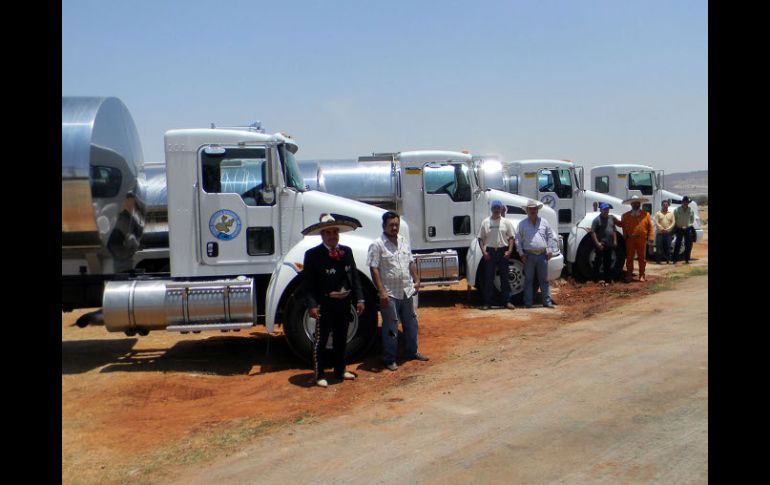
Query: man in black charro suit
[(331, 283)]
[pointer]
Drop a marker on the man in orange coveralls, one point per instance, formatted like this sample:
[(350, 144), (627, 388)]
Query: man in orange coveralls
[(638, 232)]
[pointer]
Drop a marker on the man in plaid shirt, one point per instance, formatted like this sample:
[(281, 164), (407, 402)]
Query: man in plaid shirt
[(395, 274)]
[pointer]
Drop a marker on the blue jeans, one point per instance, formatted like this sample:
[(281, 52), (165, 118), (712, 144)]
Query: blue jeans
[(663, 246), (403, 310), (536, 265), (496, 263), (688, 236)]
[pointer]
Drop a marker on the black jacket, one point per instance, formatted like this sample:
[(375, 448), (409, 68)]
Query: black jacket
[(322, 274)]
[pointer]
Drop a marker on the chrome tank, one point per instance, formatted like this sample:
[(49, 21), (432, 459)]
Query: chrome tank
[(146, 305), (369, 182), (101, 156), (310, 170), (152, 187)]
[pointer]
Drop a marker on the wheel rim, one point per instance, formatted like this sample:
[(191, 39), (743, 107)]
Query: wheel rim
[(515, 277), (308, 325)]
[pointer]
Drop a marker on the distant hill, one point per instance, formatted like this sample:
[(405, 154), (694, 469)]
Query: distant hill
[(688, 183)]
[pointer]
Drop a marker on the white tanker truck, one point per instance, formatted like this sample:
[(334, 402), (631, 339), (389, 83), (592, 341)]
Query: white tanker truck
[(444, 200), (234, 252)]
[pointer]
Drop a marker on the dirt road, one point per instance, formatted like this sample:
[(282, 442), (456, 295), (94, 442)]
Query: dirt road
[(622, 397)]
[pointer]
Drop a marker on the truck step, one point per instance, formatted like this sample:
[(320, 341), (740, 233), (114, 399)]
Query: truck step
[(209, 326)]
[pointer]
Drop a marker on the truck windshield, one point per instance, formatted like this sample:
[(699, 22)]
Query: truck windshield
[(291, 173), (640, 181)]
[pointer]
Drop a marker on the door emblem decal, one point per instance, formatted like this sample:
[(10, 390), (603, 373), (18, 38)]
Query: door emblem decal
[(225, 225)]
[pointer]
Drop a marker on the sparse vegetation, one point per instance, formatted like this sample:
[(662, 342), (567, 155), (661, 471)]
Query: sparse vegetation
[(201, 447), (669, 281)]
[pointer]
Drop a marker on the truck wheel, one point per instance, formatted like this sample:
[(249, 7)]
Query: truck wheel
[(299, 328), (587, 252), (515, 279)]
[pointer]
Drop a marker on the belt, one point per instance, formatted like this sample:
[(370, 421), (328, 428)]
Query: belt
[(536, 252), (338, 295)]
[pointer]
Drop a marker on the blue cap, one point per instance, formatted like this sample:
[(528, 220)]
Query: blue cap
[(496, 204), (604, 205)]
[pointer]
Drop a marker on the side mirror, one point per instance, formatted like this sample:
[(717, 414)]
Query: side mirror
[(268, 195), (579, 178)]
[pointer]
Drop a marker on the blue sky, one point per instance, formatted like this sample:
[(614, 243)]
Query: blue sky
[(593, 81)]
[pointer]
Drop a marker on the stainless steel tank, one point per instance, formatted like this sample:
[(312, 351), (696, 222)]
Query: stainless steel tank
[(144, 305), (101, 156), (370, 182), (152, 187), (310, 170)]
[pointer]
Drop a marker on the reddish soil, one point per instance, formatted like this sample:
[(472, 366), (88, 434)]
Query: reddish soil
[(125, 400)]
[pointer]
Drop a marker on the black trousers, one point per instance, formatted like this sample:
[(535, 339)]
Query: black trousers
[(688, 236), (604, 258), (335, 315)]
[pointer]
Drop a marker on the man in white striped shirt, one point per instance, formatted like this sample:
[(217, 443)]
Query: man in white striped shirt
[(395, 275)]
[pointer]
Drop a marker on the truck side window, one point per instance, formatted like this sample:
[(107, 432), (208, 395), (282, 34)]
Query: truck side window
[(449, 179), (545, 181), (564, 187), (602, 184), (238, 171), (260, 241), (641, 181)]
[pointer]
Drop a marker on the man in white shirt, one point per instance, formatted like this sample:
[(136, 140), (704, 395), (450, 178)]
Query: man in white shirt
[(496, 242), (395, 275), (534, 242)]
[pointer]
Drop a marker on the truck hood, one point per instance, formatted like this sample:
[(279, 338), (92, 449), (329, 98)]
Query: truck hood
[(316, 203), (521, 202)]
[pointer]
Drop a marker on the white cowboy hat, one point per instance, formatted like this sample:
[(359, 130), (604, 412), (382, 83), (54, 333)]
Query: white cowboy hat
[(635, 198), (328, 222), (534, 203)]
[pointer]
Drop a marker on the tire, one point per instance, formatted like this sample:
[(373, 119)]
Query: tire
[(299, 328), (587, 252), (515, 278)]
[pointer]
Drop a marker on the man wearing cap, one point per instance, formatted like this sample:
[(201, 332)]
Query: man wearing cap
[(605, 241), (534, 242), (664, 226), (684, 218), (638, 232), (395, 275), (331, 284), (496, 243)]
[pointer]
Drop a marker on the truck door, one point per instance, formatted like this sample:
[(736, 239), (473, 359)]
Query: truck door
[(448, 193), (641, 184), (555, 190), (238, 208)]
